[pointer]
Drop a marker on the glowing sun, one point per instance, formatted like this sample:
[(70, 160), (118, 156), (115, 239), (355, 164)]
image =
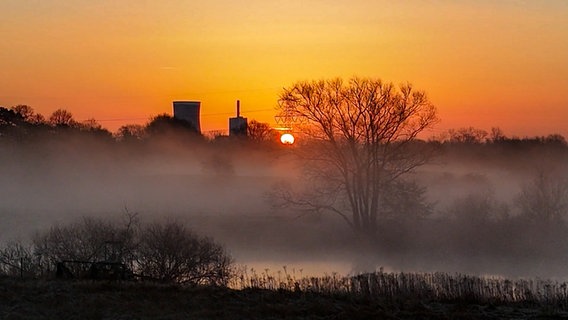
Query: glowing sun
[(287, 138)]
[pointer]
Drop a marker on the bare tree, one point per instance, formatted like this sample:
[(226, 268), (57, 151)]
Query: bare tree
[(28, 114), (165, 123), (259, 131), (171, 253), (18, 260), (131, 132), (83, 241), (545, 198), (90, 125), (497, 135), (478, 209), (9, 118), (25, 111), (468, 135), (62, 118), (361, 136)]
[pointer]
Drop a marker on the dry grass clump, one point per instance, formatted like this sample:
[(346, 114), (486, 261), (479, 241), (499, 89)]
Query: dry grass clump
[(290, 281)]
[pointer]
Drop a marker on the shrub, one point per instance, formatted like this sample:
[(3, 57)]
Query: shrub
[(171, 253), (164, 252)]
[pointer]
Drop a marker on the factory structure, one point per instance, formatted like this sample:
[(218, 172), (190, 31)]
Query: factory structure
[(238, 125), (190, 112)]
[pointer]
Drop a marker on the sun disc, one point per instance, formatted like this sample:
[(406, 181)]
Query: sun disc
[(287, 138)]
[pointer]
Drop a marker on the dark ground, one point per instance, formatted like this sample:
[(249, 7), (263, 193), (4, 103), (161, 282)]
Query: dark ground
[(103, 300)]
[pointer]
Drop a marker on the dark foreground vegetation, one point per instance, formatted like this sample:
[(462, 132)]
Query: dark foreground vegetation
[(369, 296), (168, 272), (99, 250)]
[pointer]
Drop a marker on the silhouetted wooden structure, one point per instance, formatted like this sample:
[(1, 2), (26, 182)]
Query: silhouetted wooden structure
[(98, 270)]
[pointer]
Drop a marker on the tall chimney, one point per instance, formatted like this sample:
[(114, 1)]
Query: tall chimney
[(238, 108)]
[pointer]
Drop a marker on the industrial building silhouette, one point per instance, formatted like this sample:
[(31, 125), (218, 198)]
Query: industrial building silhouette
[(190, 112)]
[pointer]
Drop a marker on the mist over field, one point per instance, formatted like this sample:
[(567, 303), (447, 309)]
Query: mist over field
[(58, 180), (223, 189)]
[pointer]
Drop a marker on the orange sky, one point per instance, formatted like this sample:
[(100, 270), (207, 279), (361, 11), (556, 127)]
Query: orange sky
[(483, 63)]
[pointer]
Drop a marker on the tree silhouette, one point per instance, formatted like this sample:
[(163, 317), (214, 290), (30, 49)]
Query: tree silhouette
[(9, 118), (164, 123), (361, 137), (130, 132), (545, 198), (62, 118), (259, 131), (90, 125), (11, 124), (171, 253), (468, 135), (25, 111)]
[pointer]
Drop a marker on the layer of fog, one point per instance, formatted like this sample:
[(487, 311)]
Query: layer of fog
[(220, 190)]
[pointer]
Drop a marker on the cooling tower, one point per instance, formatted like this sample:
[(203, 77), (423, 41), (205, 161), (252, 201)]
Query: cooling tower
[(188, 111)]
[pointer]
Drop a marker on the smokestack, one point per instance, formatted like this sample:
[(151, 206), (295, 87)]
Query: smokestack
[(238, 125)]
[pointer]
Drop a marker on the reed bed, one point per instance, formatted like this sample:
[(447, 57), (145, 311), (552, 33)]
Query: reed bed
[(436, 286)]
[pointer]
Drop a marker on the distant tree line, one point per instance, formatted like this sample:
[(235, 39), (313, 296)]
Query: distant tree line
[(21, 122), (471, 135)]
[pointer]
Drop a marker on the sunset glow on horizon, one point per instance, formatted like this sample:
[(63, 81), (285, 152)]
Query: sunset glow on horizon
[(483, 63)]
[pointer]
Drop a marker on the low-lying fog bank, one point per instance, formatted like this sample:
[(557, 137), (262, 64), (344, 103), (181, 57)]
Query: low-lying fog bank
[(222, 191)]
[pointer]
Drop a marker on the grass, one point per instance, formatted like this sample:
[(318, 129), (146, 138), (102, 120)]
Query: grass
[(414, 286), (286, 294)]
